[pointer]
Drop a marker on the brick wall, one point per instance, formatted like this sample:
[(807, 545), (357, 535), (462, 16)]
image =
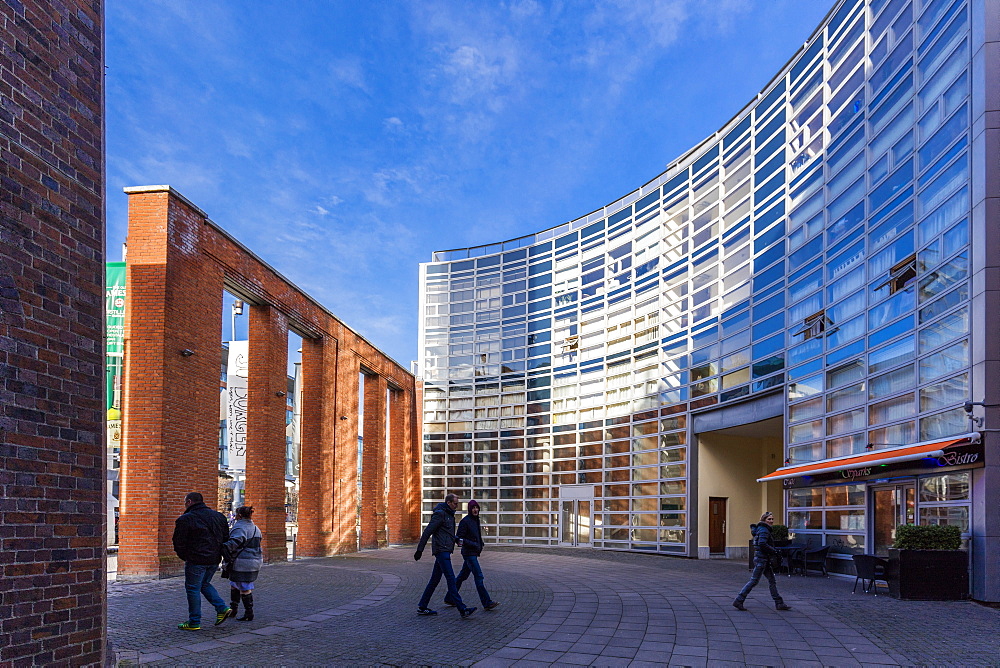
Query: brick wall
[(179, 263), (52, 459)]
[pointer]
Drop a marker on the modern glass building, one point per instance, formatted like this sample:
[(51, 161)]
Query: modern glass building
[(793, 317)]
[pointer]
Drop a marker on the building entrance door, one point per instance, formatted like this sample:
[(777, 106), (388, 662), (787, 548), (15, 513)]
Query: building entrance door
[(891, 505), (575, 516), (716, 525)]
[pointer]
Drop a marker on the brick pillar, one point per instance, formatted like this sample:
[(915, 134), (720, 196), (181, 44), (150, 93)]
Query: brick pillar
[(404, 470), (316, 458), (53, 478), (266, 402), (345, 467), (171, 422), (373, 506)]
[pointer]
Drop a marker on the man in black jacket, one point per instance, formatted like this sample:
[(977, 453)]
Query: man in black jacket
[(442, 529), (198, 537), (471, 535)]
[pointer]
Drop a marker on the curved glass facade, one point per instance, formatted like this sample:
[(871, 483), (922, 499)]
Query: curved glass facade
[(813, 253)]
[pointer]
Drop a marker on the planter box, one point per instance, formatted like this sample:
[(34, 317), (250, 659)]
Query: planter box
[(928, 575)]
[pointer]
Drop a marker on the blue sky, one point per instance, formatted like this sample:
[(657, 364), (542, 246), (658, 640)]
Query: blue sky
[(343, 142)]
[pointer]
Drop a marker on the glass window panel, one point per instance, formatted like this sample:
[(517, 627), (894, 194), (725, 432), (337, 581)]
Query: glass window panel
[(805, 409), (805, 497), (940, 425), (805, 431), (846, 373), (945, 303), (892, 382), (951, 359), (896, 408), (944, 330), (805, 387), (848, 397), (843, 422), (948, 487), (806, 453), (845, 495), (890, 355), (903, 433), (944, 393), (946, 516), (845, 520), (956, 238), (805, 519), (846, 445)]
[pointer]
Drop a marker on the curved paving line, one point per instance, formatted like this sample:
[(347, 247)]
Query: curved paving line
[(388, 585)]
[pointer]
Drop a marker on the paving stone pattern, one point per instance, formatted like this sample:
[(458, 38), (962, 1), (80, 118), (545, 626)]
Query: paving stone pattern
[(558, 606)]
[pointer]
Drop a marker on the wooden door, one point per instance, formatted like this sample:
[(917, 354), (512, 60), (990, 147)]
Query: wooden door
[(716, 525)]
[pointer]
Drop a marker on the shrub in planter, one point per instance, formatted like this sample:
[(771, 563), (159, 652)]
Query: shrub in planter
[(927, 537), (779, 532), (925, 563)]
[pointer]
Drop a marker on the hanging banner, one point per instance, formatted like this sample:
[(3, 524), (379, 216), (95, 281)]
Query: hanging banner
[(114, 335), (237, 372)]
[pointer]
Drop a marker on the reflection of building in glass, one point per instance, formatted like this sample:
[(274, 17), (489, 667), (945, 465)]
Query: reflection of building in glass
[(791, 299)]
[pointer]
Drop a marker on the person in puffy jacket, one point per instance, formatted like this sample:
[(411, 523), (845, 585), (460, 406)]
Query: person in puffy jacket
[(763, 552), (244, 557), (198, 537), (471, 534), (441, 532)]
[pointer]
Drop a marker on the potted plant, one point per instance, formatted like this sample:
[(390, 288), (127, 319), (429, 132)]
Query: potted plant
[(779, 532), (926, 564)]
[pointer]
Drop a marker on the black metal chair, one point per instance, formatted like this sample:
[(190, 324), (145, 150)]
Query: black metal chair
[(815, 558), (869, 568)]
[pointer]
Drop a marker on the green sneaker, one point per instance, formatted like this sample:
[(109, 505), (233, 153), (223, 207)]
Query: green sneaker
[(188, 626), (222, 616)]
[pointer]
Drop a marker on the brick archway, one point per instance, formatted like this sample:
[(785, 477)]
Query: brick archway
[(179, 263)]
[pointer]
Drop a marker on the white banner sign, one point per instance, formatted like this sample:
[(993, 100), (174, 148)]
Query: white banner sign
[(236, 413)]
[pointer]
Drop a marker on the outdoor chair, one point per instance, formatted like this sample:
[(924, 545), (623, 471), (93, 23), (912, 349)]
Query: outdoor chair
[(815, 558), (869, 568)]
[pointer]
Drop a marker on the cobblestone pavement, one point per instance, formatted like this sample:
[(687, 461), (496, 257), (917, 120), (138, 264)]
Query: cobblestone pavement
[(558, 606)]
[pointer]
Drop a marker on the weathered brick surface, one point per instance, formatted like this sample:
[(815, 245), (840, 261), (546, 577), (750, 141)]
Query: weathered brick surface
[(52, 479), (179, 263)]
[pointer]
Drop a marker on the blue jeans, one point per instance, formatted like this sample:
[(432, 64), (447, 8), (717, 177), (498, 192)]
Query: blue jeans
[(198, 581), (471, 567), (442, 566), (760, 568)]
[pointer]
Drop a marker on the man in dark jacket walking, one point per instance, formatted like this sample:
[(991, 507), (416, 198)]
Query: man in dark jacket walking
[(441, 531), (471, 534), (763, 552), (198, 537)]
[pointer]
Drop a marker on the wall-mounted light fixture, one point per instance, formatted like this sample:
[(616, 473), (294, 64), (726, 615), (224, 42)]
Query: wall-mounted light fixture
[(343, 417), (187, 352), (279, 393)]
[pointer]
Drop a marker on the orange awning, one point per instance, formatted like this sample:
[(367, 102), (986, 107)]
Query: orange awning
[(876, 458)]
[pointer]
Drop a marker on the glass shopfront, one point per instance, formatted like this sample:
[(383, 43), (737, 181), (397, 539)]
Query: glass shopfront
[(861, 517)]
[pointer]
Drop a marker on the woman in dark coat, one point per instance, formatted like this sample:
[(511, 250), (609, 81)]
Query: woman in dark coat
[(763, 552), (244, 557)]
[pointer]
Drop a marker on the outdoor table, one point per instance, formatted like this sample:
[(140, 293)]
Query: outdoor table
[(788, 554)]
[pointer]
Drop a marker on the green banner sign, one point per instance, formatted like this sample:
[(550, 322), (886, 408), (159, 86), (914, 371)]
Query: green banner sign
[(114, 318)]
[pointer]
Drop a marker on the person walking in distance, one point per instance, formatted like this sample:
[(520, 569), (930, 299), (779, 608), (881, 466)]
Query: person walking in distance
[(763, 553), (244, 557), (198, 537), (441, 531), (471, 535)]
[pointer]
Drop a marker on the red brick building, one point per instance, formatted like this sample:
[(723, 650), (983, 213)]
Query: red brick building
[(52, 470), (179, 263)]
